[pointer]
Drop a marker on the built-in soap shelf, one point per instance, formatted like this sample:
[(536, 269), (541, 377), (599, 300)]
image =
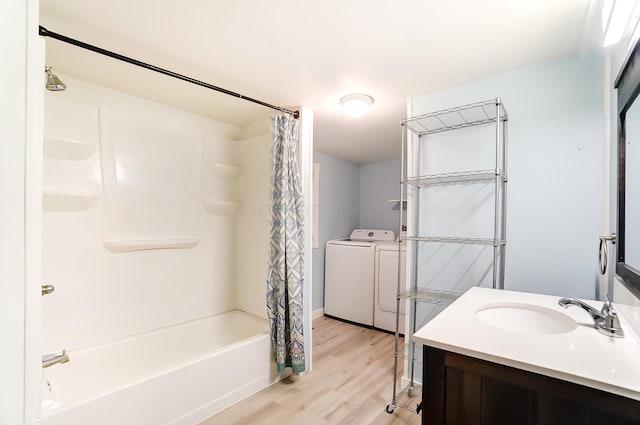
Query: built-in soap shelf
[(223, 171), (69, 149), (128, 245), (221, 207), (68, 200)]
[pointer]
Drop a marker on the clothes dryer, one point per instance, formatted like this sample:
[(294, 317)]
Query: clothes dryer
[(349, 275)]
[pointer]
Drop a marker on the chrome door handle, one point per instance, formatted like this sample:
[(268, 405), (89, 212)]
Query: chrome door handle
[(47, 289)]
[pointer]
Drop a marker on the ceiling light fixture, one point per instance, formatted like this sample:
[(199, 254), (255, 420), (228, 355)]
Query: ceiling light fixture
[(615, 17), (356, 104)]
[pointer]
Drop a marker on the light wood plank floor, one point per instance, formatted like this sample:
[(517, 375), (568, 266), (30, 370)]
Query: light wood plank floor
[(351, 383)]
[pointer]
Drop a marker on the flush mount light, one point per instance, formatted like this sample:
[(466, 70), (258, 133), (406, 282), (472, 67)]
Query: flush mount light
[(356, 104)]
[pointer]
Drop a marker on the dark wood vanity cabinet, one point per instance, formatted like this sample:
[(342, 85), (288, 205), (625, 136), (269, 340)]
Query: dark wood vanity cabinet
[(464, 390)]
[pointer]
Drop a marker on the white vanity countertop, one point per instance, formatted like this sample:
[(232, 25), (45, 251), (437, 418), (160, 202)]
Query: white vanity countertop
[(581, 355)]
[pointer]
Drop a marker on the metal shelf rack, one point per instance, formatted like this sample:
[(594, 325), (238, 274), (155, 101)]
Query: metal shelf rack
[(415, 179)]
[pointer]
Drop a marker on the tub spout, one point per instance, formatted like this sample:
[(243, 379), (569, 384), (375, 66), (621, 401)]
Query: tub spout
[(51, 359)]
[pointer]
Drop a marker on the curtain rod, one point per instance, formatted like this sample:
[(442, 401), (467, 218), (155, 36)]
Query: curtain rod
[(46, 33)]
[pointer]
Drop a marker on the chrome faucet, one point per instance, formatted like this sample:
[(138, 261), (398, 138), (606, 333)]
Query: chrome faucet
[(51, 359), (605, 321)]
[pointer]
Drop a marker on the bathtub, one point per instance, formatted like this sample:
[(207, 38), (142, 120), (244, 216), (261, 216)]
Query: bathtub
[(178, 375)]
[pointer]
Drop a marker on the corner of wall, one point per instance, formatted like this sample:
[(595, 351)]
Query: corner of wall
[(255, 128), (305, 153)]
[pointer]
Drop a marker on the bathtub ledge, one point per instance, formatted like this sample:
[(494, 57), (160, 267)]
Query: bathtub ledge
[(127, 245)]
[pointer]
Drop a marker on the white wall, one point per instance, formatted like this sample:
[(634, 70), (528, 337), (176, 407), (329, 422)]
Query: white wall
[(253, 225), (12, 184), (20, 114), (152, 167), (554, 213), (305, 163)]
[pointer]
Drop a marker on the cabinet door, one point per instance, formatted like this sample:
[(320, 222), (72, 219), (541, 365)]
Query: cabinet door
[(461, 390)]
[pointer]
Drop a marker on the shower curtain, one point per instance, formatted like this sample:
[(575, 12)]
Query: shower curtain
[(286, 248)]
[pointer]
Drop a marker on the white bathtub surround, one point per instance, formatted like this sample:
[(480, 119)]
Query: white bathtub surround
[(146, 254), (180, 374), (286, 249), (569, 348), (178, 231)]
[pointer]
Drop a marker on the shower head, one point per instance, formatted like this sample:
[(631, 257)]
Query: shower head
[(53, 82)]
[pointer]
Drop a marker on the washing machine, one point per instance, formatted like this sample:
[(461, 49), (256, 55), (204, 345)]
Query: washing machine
[(386, 285), (349, 275)]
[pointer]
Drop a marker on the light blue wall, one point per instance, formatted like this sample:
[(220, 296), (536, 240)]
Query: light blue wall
[(555, 212), (554, 208), (380, 182), (338, 215), (352, 196)]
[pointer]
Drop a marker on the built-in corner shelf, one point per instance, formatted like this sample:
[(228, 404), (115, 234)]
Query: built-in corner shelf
[(128, 245), (74, 150), (221, 207), (68, 200), (223, 171)]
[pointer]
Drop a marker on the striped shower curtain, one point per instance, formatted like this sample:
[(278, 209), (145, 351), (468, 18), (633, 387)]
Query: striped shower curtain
[(286, 248)]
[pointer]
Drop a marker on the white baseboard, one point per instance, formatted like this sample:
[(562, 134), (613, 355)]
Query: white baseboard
[(315, 314)]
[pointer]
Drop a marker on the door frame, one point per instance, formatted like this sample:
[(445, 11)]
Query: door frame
[(20, 211)]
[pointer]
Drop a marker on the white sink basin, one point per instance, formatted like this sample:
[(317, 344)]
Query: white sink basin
[(526, 318)]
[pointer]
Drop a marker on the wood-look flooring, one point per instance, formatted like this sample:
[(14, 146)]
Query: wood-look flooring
[(350, 384)]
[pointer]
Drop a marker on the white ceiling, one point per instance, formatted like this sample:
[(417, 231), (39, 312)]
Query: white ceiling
[(303, 52)]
